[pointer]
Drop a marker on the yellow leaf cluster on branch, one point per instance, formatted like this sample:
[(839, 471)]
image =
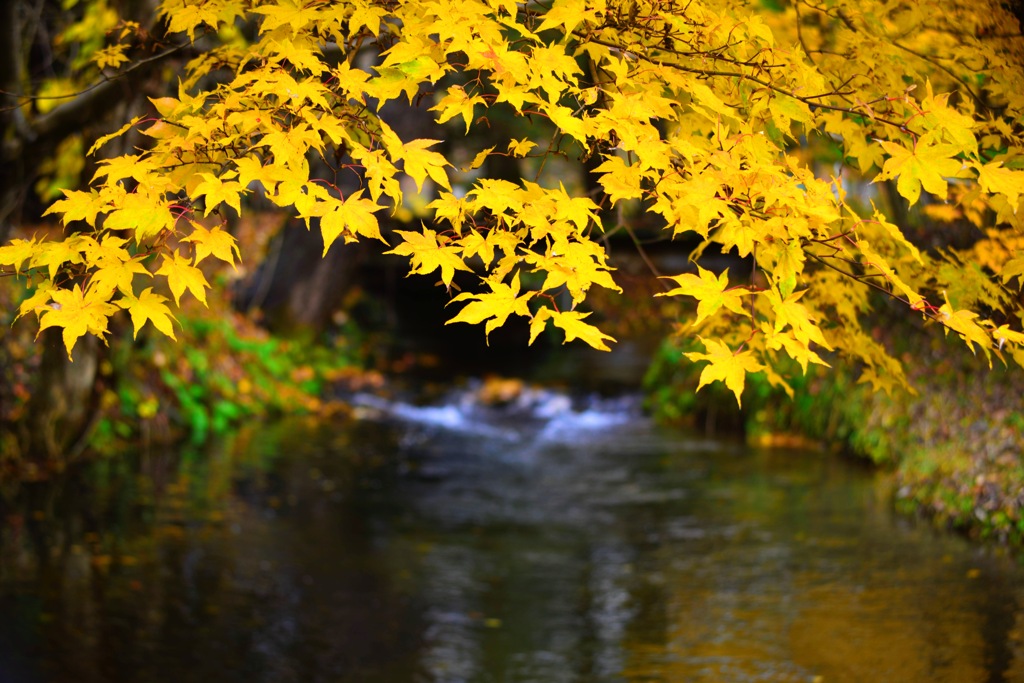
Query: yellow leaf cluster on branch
[(703, 116)]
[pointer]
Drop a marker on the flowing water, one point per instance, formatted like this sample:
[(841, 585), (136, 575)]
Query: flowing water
[(551, 539)]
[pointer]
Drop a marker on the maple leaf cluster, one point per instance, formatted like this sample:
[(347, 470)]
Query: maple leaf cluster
[(707, 117)]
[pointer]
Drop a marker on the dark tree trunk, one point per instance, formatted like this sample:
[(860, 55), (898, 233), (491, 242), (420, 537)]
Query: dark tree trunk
[(297, 289), (64, 401)]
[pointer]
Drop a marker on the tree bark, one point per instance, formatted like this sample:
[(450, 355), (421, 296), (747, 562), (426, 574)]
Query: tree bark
[(64, 400)]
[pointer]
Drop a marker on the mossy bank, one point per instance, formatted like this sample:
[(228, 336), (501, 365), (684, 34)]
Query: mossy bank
[(954, 448)]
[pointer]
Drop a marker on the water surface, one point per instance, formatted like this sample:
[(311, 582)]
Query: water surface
[(550, 540)]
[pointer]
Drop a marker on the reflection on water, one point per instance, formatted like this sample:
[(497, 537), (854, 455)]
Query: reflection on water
[(545, 541)]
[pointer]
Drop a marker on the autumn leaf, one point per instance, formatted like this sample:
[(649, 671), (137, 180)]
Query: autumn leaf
[(37, 302), (788, 311), (102, 140), (151, 307), (578, 266), (78, 206), (474, 244), (571, 322), (619, 180), (78, 312), (17, 252), (925, 165), (115, 275), (567, 14), (995, 178), (797, 349), (427, 254), (110, 248), (182, 275), (190, 17), (269, 175), (451, 208), (1013, 268), (353, 216), (113, 56), (213, 242), (217, 190), (520, 148), (478, 160), (725, 366), (964, 323), (1003, 334), (711, 293), (53, 255), (495, 306), (457, 103), (145, 215), (420, 162)]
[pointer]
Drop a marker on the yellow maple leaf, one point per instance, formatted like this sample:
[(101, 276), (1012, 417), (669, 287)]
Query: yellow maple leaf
[(567, 14), (78, 313), (619, 180), (427, 255), (189, 17), (37, 302), (217, 190), (353, 216), (566, 120), (390, 82), (497, 195), (725, 366), (925, 165), (116, 134), (53, 255), (111, 248), (941, 122), (283, 13), (1013, 268), (17, 252), (789, 312), (520, 148), (963, 323), (365, 15), (112, 56), (115, 275), (144, 214), (995, 178), (796, 349), (494, 306), (457, 103), (571, 322), (151, 307), (250, 169), (579, 211), (712, 293), (474, 244), (214, 242), (577, 265), (478, 160), (420, 162), (78, 206), (450, 208), (182, 275), (1003, 334)]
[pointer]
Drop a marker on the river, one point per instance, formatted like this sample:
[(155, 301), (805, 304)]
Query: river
[(554, 538)]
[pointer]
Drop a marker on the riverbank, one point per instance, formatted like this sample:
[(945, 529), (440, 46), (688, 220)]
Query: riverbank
[(954, 449), (222, 372)]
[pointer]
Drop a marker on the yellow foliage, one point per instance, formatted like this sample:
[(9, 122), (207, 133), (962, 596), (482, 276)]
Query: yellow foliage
[(689, 112)]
